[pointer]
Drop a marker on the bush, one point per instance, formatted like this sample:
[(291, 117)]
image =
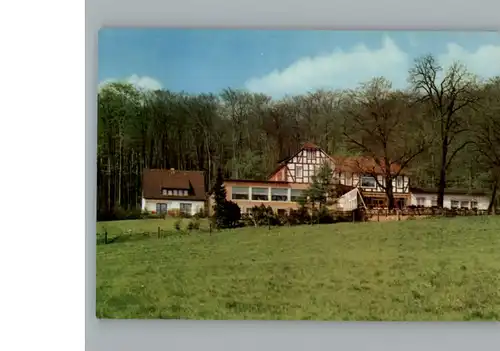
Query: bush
[(177, 224), (118, 213), (193, 224), (227, 215), (263, 216), (325, 216), (300, 216)]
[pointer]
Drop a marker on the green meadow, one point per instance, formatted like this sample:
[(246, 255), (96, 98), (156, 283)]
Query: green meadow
[(444, 269)]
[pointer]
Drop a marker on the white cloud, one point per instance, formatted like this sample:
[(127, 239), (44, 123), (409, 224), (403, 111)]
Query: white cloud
[(340, 69), (346, 69), (485, 61), (140, 82)]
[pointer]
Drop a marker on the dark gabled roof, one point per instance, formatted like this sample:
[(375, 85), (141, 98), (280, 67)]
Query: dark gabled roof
[(449, 191), (154, 180), (362, 164)]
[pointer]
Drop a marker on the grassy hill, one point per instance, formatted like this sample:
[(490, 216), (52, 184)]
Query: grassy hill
[(435, 269)]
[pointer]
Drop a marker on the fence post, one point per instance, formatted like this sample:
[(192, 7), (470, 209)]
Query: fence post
[(159, 232), (106, 236), (210, 228), (399, 215), (378, 215)]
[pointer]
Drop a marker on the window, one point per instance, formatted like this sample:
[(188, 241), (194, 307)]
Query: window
[(464, 204), (310, 155), (169, 192), (278, 194), (164, 191), (261, 194), (368, 182), (185, 193), (161, 208), (175, 192), (296, 194), (454, 204), (399, 182), (298, 172), (185, 208), (473, 205), (420, 201), (434, 202), (240, 193)]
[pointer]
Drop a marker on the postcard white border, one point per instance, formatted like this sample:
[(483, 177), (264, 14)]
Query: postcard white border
[(245, 335)]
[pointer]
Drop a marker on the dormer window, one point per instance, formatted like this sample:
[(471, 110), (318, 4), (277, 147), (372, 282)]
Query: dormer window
[(174, 192)]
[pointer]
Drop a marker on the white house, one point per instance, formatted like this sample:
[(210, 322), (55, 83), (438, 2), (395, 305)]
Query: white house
[(166, 190), (453, 198)]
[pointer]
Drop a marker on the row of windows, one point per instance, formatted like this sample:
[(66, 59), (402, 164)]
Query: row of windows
[(185, 208), (262, 194), (454, 203), (370, 182), (174, 192)]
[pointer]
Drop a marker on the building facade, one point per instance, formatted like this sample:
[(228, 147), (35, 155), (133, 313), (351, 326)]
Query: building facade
[(453, 198), (170, 191), (358, 172)]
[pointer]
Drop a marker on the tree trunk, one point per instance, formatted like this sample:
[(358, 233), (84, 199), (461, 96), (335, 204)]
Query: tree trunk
[(442, 173), (491, 207), (389, 192)]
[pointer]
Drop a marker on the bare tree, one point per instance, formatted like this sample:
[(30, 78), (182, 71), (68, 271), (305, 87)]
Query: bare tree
[(447, 93), (383, 124), (486, 131)]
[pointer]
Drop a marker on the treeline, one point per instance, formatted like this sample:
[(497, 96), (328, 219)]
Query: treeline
[(444, 129)]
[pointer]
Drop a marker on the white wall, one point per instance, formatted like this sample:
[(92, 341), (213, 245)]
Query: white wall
[(150, 205), (482, 201)]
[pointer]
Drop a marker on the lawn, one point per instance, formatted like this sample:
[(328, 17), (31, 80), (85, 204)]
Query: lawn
[(433, 269)]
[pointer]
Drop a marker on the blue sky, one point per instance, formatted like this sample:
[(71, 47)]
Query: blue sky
[(279, 62)]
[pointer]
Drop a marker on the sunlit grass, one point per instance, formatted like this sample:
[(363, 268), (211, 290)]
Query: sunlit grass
[(439, 269)]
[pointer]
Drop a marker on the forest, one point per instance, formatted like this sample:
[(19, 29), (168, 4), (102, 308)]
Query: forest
[(443, 129)]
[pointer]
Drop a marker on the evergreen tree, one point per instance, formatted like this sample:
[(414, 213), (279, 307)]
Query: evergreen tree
[(227, 214), (322, 189)]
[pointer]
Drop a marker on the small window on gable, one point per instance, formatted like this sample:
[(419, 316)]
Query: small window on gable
[(169, 192), (298, 172), (164, 191), (185, 193), (310, 155), (175, 192)]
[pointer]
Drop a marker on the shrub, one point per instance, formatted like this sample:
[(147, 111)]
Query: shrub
[(300, 216), (325, 216), (177, 224), (118, 213), (193, 224)]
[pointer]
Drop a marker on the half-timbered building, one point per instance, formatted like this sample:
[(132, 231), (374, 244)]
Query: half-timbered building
[(352, 172)]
